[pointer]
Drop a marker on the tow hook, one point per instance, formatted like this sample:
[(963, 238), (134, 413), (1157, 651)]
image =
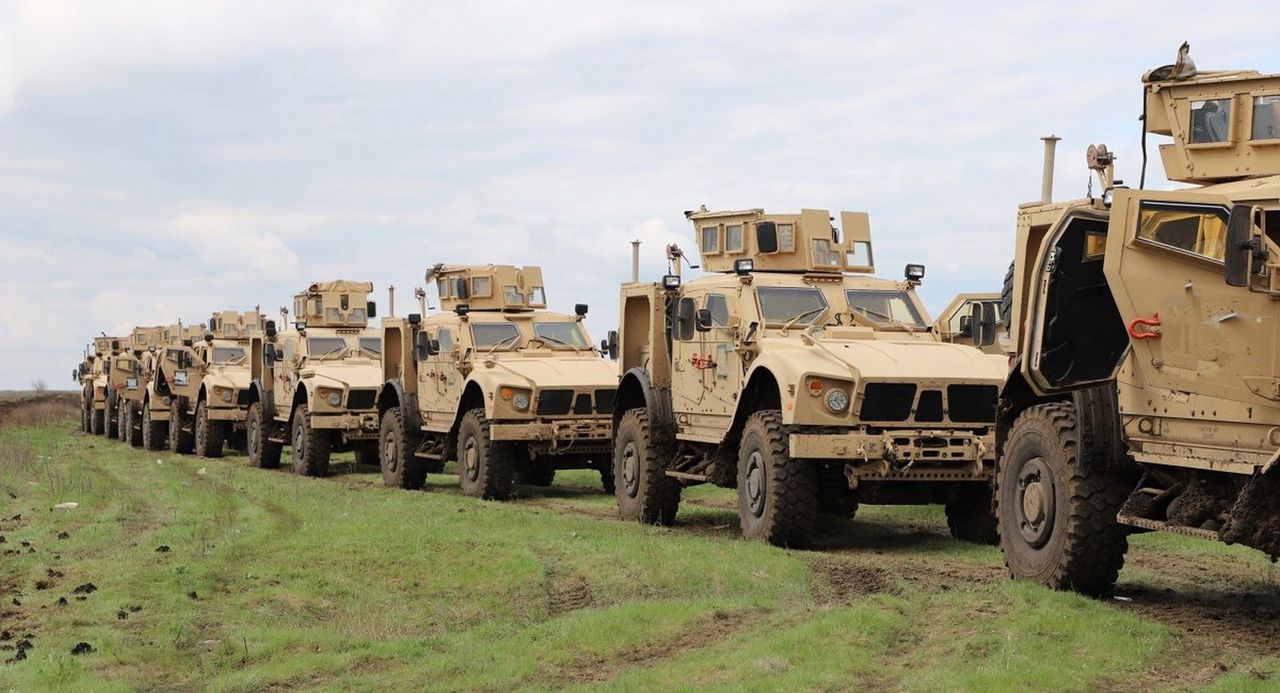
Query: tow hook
[(890, 456)]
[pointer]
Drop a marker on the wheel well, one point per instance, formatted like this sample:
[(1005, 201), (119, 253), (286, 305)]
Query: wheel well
[(630, 396), (388, 398), (760, 393), (299, 397)]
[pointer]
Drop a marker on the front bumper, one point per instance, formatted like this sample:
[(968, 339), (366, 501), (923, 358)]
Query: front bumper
[(558, 434), (356, 424), (903, 453), (233, 414)]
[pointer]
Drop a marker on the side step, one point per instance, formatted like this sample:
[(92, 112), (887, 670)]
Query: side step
[(1157, 525)]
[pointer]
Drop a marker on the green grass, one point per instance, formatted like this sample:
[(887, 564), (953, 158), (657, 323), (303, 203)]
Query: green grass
[(341, 583)]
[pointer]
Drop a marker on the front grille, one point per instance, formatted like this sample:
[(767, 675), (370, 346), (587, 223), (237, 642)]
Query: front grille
[(930, 406), (554, 402), (582, 404), (887, 401), (361, 399), (604, 401), (972, 403)]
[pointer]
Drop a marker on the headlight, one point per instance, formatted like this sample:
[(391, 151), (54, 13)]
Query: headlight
[(335, 399), (837, 400), (521, 401), (226, 395)]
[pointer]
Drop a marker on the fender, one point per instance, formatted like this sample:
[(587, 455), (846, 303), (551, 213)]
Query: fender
[(657, 401), (756, 378), (408, 403), (469, 387), (264, 396)]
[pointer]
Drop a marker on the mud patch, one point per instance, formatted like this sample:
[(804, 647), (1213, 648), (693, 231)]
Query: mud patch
[(1228, 618), (567, 593), (837, 581)]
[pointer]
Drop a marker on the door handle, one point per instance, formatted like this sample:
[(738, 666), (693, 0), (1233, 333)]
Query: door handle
[(1136, 330)]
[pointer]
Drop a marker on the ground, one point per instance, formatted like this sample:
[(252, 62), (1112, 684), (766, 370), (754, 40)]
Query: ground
[(179, 572)]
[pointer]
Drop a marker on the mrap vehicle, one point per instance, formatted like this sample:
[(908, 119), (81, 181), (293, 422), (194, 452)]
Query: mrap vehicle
[(509, 389), (1146, 390), (789, 372), (319, 381)]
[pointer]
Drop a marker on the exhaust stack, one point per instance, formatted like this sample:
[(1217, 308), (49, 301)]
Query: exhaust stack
[(635, 261), (391, 301), (1046, 177)]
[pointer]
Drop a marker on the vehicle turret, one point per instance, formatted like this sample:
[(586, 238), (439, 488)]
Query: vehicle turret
[(489, 287), (750, 239), (230, 324), (338, 303)]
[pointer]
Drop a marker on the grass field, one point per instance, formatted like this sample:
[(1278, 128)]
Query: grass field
[(209, 574)]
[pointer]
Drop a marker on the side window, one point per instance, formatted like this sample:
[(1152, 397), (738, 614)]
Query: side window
[(953, 324), (442, 287), (786, 238), (710, 239), (1210, 121), (1201, 231), (1266, 117), (481, 287), (733, 238), (445, 337), (684, 319), (719, 308)]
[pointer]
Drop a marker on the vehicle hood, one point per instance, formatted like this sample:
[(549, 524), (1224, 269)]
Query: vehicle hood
[(577, 372), (888, 361), (338, 373), (237, 377)]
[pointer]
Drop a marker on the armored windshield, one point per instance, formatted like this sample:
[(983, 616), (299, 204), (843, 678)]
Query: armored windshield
[(326, 347), (488, 335), (567, 334), (884, 306), (371, 345), (782, 305), (228, 355)]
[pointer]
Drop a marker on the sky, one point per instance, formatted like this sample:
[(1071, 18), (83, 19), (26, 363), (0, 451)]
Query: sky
[(163, 160)]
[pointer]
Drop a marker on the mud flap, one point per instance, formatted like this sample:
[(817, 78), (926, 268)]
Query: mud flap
[(1255, 517)]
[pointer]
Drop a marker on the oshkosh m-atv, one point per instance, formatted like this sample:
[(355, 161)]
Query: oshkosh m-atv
[(209, 380), (1146, 391), (319, 383), (792, 374), (95, 390), (143, 395), (510, 390)]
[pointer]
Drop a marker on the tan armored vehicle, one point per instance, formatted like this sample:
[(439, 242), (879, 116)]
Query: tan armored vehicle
[(1146, 392), (95, 390), (792, 374), (510, 390), (142, 410), (209, 381), (319, 381)]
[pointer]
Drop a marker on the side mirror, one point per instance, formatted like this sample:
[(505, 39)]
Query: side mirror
[(1241, 246), (424, 346), (966, 326), (767, 237), (269, 354), (371, 309), (460, 288), (982, 324), (213, 324), (270, 329), (702, 320), (609, 346)]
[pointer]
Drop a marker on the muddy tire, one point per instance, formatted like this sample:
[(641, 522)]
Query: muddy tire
[(1006, 298), (182, 439), (970, 518), (86, 410), (486, 469), (122, 423), (834, 495), (97, 422), (132, 426), (400, 467), (1057, 516), (154, 436), (777, 495), (540, 471), (644, 491), (263, 453), (606, 477), (210, 436), (311, 446), (113, 418)]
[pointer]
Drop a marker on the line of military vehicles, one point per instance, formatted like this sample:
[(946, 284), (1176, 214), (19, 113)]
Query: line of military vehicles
[(1127, 378)]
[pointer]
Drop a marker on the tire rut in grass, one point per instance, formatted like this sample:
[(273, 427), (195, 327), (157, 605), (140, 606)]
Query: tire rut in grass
[(841, 581)]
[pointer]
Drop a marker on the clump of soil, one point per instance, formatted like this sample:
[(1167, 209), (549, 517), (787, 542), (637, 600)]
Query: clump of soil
[(840, 581), (82, 648)]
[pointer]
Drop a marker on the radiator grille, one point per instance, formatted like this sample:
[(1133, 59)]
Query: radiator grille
[(555, 402), (604, 401), (972, 403), (582, 404), (361, 399), (930, 407), (887, 401)]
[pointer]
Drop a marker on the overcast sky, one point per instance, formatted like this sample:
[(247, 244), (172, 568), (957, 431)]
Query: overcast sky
[(161, 160)]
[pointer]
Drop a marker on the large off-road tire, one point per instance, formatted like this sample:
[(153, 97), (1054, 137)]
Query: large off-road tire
[(311, 446), (133, 426), (777, 495), (644, 491), (971, 518), (1056, 515), (539, 471), (263, 453), (122, 423), (606, 476), (97, 422), (834, 495), (210, 436), (154, 436), (182, 439), (113, 417), (400, 467), (1006, 298), (86, 410), (486, 469)]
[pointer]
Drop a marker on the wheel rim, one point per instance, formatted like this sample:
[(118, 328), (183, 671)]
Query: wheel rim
[(1035, 503), (631, 469), (756, 489), (471, 459), (298, 438), (391, 456)]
